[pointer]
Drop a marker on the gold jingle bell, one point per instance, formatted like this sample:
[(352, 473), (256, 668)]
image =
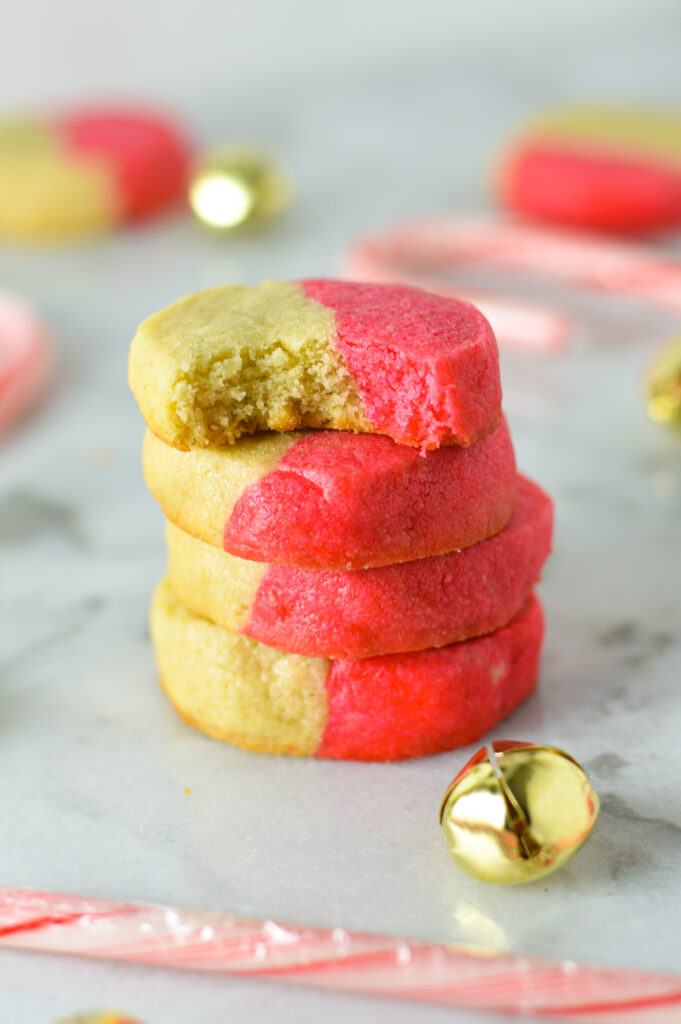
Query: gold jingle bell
[(98, 1017), (663, 385), (517, 811), (238, 185)]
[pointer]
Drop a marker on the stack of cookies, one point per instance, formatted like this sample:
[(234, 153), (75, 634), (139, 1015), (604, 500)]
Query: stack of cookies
[(351, 551)]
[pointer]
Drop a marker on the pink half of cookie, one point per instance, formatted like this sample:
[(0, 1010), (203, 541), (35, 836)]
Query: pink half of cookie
[(426, 366), (584, 190), (146, 154), (405, 607), (412, 705), (25, 361), (337, 500), (408, 607)]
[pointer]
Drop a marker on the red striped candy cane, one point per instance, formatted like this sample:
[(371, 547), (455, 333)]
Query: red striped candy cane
[(335, 959), (418, 254), (24, 359)]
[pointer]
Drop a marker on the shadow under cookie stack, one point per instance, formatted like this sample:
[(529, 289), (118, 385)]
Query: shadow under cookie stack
[(352, 553)]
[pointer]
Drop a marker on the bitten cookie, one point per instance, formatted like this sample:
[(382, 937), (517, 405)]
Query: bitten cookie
[(335, 500), (377, 709), (385, 359), (86, 172), (607, 169), (406, 607)]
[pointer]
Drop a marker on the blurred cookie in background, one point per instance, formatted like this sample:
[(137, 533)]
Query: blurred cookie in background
[(88, 171), (611, 169)]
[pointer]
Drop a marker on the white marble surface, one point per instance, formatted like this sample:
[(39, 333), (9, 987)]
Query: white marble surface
[(94, 764)]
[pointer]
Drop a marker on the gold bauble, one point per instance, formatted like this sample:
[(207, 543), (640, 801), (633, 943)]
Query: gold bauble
[(238, 185), (98, 1017), (663, 385), (517, 811)]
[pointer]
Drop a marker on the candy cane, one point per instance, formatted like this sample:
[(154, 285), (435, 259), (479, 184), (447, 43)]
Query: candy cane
[(417, 253), (24, 359), (334, 959)]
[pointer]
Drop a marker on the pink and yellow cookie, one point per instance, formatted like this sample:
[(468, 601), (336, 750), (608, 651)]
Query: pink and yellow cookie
[(406, 607), (606, 169), (385, 359), (86, 172), (377, 709), (329, 499)]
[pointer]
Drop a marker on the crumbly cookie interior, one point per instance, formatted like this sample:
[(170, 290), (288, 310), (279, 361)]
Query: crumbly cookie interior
[(237, 360), (266, 387)]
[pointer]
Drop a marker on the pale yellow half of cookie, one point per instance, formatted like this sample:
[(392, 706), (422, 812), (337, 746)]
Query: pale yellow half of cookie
[(238, 359), (235, 688), (655, 134), (197, 490), (44, 195), (211, 582)]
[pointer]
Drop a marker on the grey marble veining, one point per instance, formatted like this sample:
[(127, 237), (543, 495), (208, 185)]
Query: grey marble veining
[(94, 764)]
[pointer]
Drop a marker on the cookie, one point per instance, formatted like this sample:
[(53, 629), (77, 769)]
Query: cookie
[(605, 169), (406, 607), (378, 709), (87, 172), (329, 499), (385, 359)]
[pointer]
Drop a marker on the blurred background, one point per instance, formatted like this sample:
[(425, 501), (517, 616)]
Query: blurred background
[(379, 109), (235, 53), (457, 76)]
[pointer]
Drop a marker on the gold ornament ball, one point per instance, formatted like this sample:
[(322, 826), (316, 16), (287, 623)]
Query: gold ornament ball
[(98, 1017), (516, 812), (663, 385), (238, 185)]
